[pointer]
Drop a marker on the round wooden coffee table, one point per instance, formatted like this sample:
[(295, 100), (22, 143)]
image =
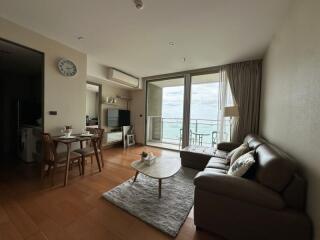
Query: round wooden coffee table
[(163, 167)]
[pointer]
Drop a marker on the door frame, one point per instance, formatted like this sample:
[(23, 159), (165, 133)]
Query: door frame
[(42, 54), (187, 75), (100, 100)]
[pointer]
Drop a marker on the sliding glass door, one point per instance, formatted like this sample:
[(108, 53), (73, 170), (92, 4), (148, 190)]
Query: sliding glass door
[(164, 116), (204, 109), (186, 111)]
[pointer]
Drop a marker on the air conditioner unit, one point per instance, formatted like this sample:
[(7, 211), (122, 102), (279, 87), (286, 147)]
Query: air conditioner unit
[(123, 78)]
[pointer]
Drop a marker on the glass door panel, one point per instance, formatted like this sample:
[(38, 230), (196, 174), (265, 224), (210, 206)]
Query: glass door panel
[(164, 117), (204, 109)]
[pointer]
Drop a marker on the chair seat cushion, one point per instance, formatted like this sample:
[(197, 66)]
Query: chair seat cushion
[(85, 151), (63, 156)]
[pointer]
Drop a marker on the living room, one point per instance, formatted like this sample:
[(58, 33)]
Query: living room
[(198, 122)]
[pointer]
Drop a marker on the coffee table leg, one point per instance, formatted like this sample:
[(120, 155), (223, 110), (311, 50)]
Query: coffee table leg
[(135, 177), (160, 181)]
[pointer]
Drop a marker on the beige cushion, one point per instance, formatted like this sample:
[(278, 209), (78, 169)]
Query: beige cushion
[(242, 165), (236, 153)]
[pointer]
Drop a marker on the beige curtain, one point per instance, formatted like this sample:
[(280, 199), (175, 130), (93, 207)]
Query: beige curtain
[(245, 83)]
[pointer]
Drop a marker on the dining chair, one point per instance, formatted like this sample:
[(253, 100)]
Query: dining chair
[(53, 160), (88, 151)]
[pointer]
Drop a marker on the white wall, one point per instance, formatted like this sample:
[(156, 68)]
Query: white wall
[(112, 91), (66, 95), (91, 104), (290, 112), (137, 107)]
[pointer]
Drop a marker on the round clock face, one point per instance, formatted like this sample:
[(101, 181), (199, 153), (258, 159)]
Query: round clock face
[(67, 68)]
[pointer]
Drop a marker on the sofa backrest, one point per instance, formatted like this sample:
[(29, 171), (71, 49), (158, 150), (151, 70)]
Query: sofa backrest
[(273, 168), (253, 141)]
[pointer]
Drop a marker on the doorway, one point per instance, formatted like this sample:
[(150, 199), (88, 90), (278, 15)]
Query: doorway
[(22, 93), (93, 105)]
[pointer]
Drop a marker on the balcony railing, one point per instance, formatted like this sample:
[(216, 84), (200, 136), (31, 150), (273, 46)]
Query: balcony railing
[(169, 130)]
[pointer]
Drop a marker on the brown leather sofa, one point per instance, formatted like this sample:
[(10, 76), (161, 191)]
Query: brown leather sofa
[(267, 203)]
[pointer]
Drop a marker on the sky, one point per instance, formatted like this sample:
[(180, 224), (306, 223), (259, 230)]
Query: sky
[(204, 101)]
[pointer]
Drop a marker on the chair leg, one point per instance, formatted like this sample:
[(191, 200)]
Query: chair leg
[(79, 165), (52, 173), (42, 166), (91, 158), (101, 156), (83, 160)]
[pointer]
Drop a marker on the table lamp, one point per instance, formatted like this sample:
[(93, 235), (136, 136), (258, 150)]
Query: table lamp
[(231, 111)]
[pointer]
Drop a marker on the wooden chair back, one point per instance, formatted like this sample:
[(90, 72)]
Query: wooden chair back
[(99, 132), (49, 149)]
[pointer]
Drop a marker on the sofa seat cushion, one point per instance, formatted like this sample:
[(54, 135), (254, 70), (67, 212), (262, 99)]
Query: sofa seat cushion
[(219, 160), (220, 154), (196, 157), (210, 151), (214, 171), (217, 165)]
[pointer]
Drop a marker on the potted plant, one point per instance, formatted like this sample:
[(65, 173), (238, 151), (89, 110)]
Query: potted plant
[(144, 155)]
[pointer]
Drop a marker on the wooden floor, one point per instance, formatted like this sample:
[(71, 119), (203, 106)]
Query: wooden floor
[(33, 210)]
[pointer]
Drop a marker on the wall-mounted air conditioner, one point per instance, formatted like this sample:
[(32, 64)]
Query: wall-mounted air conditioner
[(123, 78)]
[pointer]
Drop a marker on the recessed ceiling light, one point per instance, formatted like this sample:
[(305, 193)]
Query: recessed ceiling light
[(80, 37), (171, 43), (139, 4)]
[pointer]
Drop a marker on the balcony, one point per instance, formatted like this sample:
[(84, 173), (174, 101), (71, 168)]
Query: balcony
[(167, 132)]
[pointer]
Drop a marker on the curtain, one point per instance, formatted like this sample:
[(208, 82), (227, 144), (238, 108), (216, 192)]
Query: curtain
[(245, 83), (225, 99)]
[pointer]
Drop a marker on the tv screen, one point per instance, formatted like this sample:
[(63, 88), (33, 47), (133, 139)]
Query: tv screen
[(124, 118), (118, 118)]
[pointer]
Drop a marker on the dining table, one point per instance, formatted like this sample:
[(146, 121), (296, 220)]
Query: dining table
[(77, 138)]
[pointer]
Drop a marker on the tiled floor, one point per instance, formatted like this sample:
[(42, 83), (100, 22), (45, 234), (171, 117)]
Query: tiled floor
[(33, 210)]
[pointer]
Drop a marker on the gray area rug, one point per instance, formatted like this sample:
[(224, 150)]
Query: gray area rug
[(141, 199)]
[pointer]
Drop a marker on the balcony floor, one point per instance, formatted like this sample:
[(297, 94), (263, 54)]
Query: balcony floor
[(163, 145)]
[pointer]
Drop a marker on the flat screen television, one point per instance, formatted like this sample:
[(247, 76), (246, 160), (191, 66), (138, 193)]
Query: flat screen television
[(118, 117)]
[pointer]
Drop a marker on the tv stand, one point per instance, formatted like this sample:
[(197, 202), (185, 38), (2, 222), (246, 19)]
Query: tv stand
[(114, 137)]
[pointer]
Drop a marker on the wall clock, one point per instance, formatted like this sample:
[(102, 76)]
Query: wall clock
[(67, 67)]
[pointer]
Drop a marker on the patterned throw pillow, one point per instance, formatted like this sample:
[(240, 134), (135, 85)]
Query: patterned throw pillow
[(242, 165), (239, 151)]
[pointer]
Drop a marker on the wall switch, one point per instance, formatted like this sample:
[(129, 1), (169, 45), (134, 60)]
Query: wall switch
[(53, 113)]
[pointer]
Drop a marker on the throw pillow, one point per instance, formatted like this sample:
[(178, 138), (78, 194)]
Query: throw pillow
[(242, 149), (242, 165), (229, 155)]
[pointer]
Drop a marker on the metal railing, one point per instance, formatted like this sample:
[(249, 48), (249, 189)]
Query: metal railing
[(169, 130)]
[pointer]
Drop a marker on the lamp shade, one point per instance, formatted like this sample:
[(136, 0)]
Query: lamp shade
[(231, 111)]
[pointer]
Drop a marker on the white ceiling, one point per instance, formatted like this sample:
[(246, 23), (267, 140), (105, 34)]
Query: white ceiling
[(205, 32)]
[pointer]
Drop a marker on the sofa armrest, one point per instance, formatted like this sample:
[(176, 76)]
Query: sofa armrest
[(227, 146), (240, 189)]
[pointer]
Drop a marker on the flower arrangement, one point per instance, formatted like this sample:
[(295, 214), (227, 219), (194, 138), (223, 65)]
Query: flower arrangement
[(148, 158)]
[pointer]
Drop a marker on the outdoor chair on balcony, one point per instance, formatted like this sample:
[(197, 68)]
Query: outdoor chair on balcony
[(191, 137), (214, 136)]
